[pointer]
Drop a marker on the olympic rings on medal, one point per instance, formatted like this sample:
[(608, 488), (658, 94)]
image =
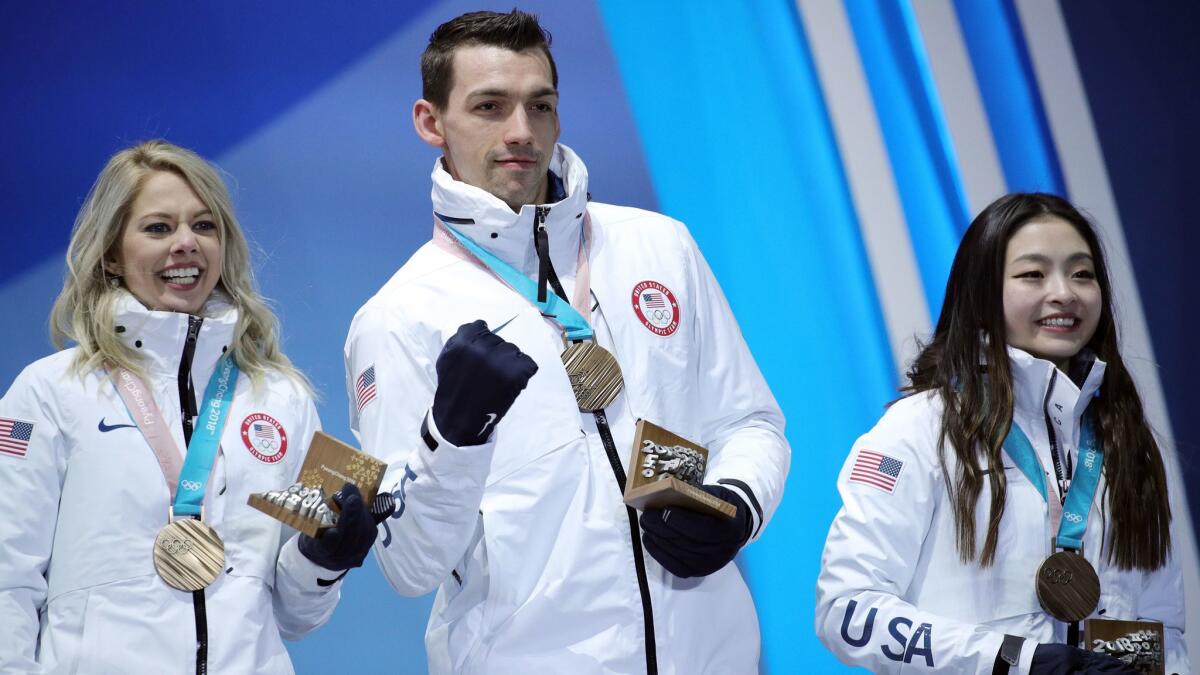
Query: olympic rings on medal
[(1057, 575)]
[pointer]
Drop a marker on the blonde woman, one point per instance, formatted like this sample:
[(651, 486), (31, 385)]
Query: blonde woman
[(126, 460)]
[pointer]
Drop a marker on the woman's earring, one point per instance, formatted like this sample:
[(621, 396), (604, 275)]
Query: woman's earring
[(114, 281)]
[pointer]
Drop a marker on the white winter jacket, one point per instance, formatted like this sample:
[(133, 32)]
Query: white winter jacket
[(82, 505), (527, 537), (893, 595)]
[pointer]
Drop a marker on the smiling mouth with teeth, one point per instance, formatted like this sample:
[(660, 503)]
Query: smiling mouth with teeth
[(1060, 322), (183, 276)]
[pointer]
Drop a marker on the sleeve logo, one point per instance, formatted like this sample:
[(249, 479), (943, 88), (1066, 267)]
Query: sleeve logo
[(364, 387), (656, 307), (15, 436), (264, 437), (877, 470)]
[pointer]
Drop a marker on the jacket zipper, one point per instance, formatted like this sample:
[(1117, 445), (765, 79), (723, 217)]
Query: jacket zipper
[(1060, 476), (187, 391), (541, 243), (635, 537), (188, 412)]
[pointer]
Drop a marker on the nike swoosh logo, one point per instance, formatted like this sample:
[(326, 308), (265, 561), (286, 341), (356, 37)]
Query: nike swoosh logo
[(109, 427), (497, 329), (491, 418)]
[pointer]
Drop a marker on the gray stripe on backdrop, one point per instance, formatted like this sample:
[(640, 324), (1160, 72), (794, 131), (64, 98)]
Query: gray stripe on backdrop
[(869, 173)]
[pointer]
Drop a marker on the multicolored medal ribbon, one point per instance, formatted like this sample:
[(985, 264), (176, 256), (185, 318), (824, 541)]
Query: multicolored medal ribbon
[(188, 554), (1067, 585)]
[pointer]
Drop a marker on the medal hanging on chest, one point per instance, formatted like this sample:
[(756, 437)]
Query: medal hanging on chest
[(188, 554), (594, 373), (1067, 585)]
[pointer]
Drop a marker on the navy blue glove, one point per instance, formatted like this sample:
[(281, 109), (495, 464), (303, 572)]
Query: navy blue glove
[(347, 544), (479, 378), (1054, 659), (692, 544)]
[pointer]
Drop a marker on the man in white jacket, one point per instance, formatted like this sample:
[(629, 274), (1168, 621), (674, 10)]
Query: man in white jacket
[(515, 513)]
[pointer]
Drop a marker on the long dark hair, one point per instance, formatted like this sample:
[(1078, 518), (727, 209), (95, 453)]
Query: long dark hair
[(966, 363)]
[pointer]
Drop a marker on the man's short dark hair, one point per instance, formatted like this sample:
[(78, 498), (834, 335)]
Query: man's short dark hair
[(516, 31)]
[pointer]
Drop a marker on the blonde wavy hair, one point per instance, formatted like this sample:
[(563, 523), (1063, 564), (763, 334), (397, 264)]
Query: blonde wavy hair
[(84, 310)]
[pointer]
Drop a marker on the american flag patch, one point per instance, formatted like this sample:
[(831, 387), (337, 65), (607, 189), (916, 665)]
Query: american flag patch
[(364, 387), (654, 300), (14, 437), (877, 470), (264, 431)]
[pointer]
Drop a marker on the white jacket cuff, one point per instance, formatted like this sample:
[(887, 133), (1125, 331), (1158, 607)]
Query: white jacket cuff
[(305, 573)]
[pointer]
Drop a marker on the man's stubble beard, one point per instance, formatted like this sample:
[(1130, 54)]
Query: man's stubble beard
[(519, 196)]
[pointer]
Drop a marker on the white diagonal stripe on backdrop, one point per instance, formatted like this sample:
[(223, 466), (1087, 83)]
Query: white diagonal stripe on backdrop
[(958, 92), (869, 174)]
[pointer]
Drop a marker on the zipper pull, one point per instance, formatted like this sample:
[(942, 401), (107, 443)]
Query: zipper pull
[(187, 393), (193, 328), (541, 243)]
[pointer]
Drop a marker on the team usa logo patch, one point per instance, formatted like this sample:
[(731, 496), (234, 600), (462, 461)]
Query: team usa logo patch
[(264, 437), (657, 307)]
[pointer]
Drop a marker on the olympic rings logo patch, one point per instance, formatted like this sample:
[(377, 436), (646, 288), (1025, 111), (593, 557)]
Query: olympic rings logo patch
[(656, 307), (190, 485), (1073, 517), (264, 437)]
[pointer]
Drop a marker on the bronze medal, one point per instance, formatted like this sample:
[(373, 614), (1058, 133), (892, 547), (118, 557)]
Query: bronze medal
[(1067, 587), (188, 555), (594, 373)]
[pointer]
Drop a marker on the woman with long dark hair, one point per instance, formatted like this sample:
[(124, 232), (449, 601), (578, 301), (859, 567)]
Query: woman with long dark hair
[(1019, 465)]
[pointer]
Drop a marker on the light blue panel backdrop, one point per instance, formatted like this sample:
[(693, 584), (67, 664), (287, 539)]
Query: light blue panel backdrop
[(994, 39), (740, 148), (915, 133)]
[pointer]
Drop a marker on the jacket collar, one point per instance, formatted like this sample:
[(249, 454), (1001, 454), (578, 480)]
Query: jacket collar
[(486, 220), (159, 337), (1040, 388)]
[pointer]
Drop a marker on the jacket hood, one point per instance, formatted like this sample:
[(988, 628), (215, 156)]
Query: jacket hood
[(487, 220), (160, 336)]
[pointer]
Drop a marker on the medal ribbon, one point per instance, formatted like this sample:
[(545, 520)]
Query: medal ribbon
[(1084, 482), (188, 489), (573, 319)]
